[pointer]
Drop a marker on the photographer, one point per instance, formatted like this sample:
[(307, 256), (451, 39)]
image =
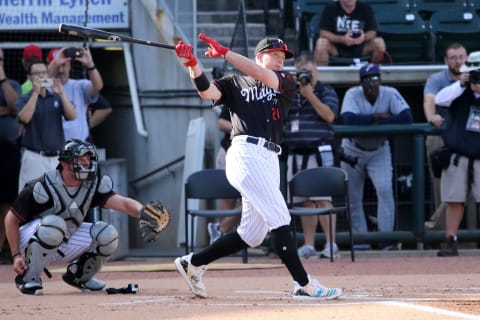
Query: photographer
[(41, 112), (461, 136), (315, 108), (82, 92)]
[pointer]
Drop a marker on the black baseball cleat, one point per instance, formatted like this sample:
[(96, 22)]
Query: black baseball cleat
[(86, 286), (30, 287), (450, 250)]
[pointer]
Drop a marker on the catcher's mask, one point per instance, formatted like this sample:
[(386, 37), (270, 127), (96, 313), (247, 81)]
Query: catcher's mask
[(72, 151)]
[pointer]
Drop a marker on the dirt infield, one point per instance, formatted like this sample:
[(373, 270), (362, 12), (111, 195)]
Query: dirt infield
[(398, 286)]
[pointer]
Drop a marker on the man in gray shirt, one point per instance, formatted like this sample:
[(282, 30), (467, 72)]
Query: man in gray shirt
[(372, 104)]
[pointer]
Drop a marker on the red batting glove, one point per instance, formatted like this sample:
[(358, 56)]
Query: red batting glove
[(215, 50), (185, 51)]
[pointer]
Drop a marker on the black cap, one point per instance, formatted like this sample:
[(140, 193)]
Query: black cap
[(273, 44)]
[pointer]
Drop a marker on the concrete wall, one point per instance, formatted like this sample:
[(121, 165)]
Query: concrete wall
[(166, 121)]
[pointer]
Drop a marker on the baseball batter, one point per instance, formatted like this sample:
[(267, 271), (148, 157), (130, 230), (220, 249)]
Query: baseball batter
[(370, 104), (258, 103), (45, 224)]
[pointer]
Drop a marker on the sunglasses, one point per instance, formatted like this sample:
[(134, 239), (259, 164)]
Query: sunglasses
[(1, 58), (472, 64), (370, 79)]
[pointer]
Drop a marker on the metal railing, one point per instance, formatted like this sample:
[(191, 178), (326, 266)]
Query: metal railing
[(417, 234)]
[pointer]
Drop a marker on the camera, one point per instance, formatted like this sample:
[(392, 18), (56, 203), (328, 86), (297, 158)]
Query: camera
[(73, 52), (474, 76), (356, 34), (46, 83), (304, 77)]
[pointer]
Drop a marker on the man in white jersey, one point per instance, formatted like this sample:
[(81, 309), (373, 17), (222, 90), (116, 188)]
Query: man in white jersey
[(82, 92), (46, 222), (258, 103), (372, 104)]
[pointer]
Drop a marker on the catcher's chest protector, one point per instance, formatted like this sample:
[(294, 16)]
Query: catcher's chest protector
[(71, 207)]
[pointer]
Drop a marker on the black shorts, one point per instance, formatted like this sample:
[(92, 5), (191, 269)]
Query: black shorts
[(9, 171), (350, 52)]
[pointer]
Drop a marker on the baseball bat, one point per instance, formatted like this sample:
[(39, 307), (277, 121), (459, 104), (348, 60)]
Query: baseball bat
[(86, 32)]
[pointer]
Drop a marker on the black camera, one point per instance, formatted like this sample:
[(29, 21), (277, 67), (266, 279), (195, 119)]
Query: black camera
[(474, 76), (73, 52), (304, 77), (356, 34)]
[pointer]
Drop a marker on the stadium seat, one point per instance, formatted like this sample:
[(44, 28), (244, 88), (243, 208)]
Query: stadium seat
[(321, 182), (208, 184), (408, 38), (307, 19), (451, 26), (428, 7)]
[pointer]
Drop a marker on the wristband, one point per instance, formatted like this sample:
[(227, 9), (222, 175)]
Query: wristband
[(3, 80), (16, 254), (92, 68), (201, 82)]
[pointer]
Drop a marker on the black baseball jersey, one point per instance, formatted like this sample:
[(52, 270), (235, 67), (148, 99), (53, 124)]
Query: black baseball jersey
[(256, 109)]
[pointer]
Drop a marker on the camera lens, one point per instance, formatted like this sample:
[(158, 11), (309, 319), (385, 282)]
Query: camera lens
[(304, 77)]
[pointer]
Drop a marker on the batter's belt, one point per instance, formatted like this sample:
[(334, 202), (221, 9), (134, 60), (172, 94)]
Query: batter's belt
[(269, 145)]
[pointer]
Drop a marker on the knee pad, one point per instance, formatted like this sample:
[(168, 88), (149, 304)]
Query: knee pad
[(51, 231), (104, 237), (49, 235)]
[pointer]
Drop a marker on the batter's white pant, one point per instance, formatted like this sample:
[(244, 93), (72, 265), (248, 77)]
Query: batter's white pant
[(254, 171), (79, 242)]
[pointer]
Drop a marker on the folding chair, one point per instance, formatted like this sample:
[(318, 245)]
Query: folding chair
[(209, 184), (322, 182)]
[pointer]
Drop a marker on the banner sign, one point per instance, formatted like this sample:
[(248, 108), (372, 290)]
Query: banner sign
[(49, 14)]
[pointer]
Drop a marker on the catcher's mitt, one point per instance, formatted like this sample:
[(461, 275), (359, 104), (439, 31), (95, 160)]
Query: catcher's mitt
[(154, 217)]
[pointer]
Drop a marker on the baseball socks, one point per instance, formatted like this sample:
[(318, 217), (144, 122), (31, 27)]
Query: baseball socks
[(226, 245), (285, 247)]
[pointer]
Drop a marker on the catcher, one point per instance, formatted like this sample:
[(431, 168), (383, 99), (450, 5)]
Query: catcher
[(46, 222)]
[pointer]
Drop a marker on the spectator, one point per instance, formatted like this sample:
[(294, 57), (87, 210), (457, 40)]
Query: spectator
[(30, 53), (314, 103), (82, 92), (348, 29), (461, 136), (41, 112), (98, 112), (455, 57), (46, 223), (372, 104), (227, 224), (10, 153)]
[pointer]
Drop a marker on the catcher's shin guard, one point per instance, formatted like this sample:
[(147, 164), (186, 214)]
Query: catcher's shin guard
[(50, 233), (80, 273)]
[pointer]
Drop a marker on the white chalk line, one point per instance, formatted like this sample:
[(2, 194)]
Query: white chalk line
[(434, 310)]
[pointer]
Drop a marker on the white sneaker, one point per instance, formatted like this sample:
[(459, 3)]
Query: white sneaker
[(307, 251), (192, 275), (326, 251), (313, 290)]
